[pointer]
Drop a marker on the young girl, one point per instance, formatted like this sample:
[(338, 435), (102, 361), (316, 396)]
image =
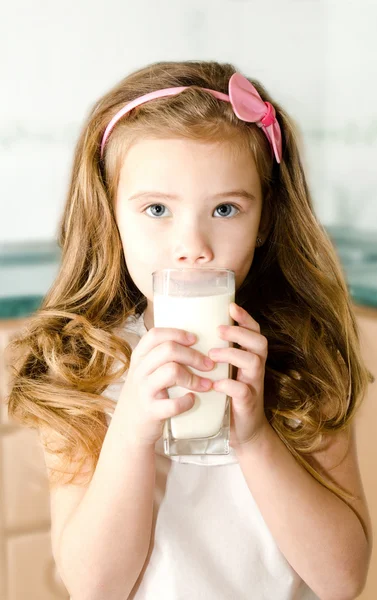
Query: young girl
[(193, 165)]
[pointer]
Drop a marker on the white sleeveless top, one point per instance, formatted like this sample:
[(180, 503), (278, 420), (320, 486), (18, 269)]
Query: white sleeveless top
[(209, 540)]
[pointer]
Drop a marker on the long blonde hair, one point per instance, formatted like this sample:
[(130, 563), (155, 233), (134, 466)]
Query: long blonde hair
[(295, 289)]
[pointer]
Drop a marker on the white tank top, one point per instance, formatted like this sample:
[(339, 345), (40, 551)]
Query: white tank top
[(209, 540)]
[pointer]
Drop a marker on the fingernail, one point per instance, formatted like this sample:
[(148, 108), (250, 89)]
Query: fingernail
[(191, 337), (205, 383), (208, 362)]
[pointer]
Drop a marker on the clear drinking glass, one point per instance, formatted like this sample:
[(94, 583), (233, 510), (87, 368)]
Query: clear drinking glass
[(197, 300)]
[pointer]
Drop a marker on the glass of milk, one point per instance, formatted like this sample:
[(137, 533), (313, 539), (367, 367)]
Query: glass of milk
[(197, 300)]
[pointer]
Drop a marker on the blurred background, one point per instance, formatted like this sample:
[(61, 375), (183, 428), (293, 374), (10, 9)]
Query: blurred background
[(316, 57)]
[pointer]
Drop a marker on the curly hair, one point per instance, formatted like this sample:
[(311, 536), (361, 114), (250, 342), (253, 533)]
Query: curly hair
[(296, 290)]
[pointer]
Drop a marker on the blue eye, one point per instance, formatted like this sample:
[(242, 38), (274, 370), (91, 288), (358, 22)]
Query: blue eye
[(162, 205)]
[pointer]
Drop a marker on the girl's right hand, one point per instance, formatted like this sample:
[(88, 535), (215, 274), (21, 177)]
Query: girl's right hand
[(157, 364)]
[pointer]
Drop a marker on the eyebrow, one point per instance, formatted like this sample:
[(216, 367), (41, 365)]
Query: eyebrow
[(240, 193)]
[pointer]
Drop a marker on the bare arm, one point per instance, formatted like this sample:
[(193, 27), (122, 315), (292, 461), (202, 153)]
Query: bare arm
[(327, 542), (105, 542)]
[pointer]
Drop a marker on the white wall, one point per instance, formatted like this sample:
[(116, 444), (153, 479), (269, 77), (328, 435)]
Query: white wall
[(57, 58)]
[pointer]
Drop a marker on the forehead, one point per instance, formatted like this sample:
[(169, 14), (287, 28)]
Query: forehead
[(183, 162)]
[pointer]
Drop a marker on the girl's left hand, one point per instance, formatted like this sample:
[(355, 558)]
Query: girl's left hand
[(248, 419)]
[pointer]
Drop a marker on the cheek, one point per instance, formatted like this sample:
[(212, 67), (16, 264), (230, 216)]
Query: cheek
[(240, 245), (242, 259), (139, 248), (242, 270), (133, 236)]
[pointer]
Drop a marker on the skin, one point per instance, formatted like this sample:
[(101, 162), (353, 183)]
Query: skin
[(196, 230)]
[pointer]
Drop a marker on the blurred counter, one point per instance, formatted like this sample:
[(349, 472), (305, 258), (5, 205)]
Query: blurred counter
[(28, 270)]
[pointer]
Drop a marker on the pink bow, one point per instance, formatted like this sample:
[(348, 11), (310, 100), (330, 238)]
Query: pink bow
[(249, 106), (244, 98)]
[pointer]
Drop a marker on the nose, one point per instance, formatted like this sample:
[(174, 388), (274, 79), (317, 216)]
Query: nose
[(192, 245)]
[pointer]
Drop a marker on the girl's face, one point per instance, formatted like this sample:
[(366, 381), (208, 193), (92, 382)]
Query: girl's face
[(182, 204)]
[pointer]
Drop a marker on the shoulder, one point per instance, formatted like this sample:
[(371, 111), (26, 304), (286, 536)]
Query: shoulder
[(132, 330)]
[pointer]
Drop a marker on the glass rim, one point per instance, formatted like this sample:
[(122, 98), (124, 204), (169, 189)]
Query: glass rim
[(205, 269)]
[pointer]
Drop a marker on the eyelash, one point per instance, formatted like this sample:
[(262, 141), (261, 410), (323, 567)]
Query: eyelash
[(159, 204)]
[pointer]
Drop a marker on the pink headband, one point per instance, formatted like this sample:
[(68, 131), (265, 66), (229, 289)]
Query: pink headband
[(244, 98)]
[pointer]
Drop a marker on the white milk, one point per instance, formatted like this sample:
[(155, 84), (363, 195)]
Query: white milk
[(199, 315)]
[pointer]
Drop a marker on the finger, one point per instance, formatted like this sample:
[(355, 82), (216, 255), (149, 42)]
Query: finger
[(173, 374), (242, 317), (158, 335), (170, 407), (237, 390), (172, 351), (250, 340), (247, 361)]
